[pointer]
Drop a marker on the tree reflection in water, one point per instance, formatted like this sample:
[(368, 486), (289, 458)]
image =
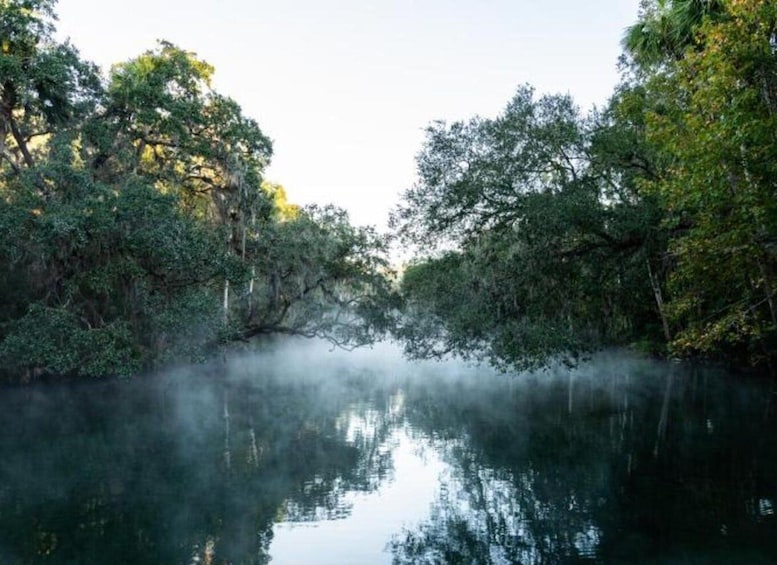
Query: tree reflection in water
[(648, 463), (628, 460), (190, 468)]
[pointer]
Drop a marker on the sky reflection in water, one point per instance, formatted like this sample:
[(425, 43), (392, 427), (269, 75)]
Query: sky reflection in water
[(300, 455)]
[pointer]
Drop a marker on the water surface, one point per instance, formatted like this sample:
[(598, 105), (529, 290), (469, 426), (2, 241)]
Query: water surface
[(302, 455)]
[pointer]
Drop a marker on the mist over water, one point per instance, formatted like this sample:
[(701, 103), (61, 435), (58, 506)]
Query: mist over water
[(300, 454)]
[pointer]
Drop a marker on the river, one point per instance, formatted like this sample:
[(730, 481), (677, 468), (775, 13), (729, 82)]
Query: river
[(301, 455)]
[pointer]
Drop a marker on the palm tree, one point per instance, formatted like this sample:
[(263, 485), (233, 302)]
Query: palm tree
[(666, 28)]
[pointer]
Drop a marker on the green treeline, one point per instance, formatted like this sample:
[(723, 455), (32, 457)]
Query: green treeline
[(547, 232), (138, 229), (136, 226)]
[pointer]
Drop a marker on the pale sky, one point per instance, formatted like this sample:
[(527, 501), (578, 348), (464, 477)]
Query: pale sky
[(345, 88)]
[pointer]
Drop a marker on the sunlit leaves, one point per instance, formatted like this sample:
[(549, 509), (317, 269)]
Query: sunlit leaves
[(44, 85), (170, 127), (666, 29), (718, 125), (130, 208)]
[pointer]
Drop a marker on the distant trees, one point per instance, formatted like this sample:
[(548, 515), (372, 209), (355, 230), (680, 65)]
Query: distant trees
[(318, 276), (136, 222)]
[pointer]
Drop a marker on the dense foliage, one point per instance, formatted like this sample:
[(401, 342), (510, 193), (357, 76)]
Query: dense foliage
[(136, 224), (138, 227), (548, 243), (545, 233)]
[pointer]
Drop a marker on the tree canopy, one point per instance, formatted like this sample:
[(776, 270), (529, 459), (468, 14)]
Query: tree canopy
[(548, 244), (139, 226), (543, 233)]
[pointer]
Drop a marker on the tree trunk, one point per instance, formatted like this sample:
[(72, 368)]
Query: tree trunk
[(8, 103), (253, 450), (251, 293), (659, 301)]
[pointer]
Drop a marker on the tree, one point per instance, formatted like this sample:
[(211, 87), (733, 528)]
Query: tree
[(665, 29), (477, 175), (163, 122), (113, 279), (716, 122), (319, 276), (139, 227), (45, 86), (548, 239)]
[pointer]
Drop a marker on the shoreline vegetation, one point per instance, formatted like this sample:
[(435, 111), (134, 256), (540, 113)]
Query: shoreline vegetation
[(139, 231)]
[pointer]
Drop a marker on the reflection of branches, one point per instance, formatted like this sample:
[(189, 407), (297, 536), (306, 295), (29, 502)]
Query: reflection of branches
[(524, 485), (531, 483), (366, 434), (287, 450), (141, 468)]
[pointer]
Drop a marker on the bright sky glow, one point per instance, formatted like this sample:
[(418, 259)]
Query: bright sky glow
[(345, 88), (363, 535)]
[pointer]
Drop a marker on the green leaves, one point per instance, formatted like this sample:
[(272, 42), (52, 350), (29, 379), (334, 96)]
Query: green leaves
[(55, 340), (317, 275), (138, 224), (550, 237), (562, 233), (168, 126), (717, 127), (476, 175), (101, 266), (667, 28), (43, 85)]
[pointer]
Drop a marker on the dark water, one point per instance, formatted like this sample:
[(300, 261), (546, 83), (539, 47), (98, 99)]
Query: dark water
[(305, 456)]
